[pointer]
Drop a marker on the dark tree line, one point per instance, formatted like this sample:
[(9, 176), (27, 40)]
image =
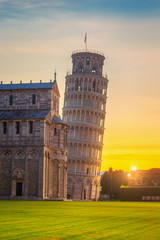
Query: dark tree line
[(111, 182)]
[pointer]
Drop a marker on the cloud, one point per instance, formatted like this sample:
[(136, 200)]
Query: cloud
[(96, 8), (29, 9), (32, 3), (132, 156)]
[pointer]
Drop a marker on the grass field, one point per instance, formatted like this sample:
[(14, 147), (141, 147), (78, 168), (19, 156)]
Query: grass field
[(79, 220)]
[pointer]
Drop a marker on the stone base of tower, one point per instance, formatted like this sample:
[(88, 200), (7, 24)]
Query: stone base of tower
[(83, 187)]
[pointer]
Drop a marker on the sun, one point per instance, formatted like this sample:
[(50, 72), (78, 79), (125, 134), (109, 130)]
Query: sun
[(133, 168)]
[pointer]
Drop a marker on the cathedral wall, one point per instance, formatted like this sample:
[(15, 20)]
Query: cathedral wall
[(24, 137), (55, 99), (55, 179), (5, 173), (57, 136), (25, 99), (21, 153), (33, 151), (61, 178), (32, 176), (55, 162), (20, 165)]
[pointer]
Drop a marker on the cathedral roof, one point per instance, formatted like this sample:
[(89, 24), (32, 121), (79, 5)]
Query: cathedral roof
[(58, 120), (26, 85), (29, 114), (23, 114)]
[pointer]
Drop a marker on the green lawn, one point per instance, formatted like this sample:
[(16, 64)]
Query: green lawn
[(79, 220)]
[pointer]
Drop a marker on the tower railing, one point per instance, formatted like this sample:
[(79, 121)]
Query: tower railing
[(69, 72), (88, 50)]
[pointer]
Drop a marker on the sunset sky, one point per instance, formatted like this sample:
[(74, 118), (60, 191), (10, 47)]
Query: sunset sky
[(37, 37)]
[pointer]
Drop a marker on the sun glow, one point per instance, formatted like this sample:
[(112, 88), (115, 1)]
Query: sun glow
[(133, 168)]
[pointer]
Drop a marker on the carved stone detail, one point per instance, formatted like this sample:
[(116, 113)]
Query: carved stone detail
[(18, 174)]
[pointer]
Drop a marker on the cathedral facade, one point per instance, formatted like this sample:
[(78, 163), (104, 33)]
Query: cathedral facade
[(84, 112), (33, 142)]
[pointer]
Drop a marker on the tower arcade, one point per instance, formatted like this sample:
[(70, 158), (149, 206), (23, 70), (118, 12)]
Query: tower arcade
[(84, 112)]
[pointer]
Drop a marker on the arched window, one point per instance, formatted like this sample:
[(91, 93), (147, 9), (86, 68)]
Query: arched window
[(88, 61), (59, 137), (4, 127), (17, 127), (30, 127), (76, 86), (81, 67), (34, 99), (11, 100), (94, 85), (93, 70), (55, 131), (84, 194)]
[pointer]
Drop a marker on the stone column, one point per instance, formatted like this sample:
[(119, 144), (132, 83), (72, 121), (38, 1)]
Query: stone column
[(83, 83), (97, 191), (87, 84), (91, 191), (80, 118), (91, 84), (75, 166), (58, 181), (74, 134), (26, 178), (64, 181), (13, 188), (47, 179), (82, 193), (12, 169), (76, 115), (73, 189), (80, 168), (50, 179), (40, 180)]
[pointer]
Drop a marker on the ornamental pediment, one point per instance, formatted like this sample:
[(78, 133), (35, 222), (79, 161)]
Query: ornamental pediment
[(18, 173)]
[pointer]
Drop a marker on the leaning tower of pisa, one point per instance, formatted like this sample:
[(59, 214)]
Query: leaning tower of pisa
[(84, 111)]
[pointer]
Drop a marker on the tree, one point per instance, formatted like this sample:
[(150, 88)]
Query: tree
[(111, 182)]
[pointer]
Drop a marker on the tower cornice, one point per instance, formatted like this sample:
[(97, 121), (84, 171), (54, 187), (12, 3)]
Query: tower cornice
[(89, 75)]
